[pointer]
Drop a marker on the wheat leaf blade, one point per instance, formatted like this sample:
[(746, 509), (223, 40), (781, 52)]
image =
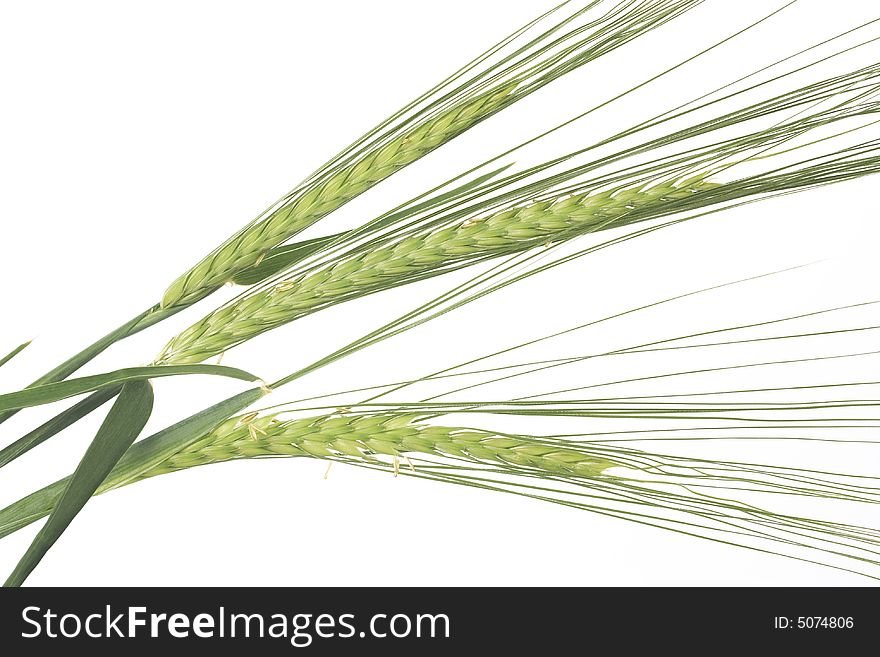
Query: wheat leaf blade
[(15, 352), (31, 508), (70, 366), (123, 424), (53, 392), (56, 425)]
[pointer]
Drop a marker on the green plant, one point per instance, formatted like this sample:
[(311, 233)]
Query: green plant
[(251, 246), (513, 220)]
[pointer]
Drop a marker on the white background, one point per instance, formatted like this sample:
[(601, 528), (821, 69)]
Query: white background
[(134, 137)]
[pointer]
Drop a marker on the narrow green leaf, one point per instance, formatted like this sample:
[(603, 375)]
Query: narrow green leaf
[(146, 319), (142, 456), (12, 354), (52, 392), (123, 424), (69, 366), (31, 508), (57, 424)]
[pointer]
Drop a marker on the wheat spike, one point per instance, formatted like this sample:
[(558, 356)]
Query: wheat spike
[(369, 438), (248, 248), (501, 233)]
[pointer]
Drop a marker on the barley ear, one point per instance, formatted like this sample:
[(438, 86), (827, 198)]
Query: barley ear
[(248, 247), (512, 230), (370, 439)]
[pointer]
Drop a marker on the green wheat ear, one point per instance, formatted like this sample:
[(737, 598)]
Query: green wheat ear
[(366, 438), (502, 233), (247, 248)]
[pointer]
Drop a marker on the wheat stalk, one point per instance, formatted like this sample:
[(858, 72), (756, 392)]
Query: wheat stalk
[(694, 496), (509, 231), (320, 200)]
